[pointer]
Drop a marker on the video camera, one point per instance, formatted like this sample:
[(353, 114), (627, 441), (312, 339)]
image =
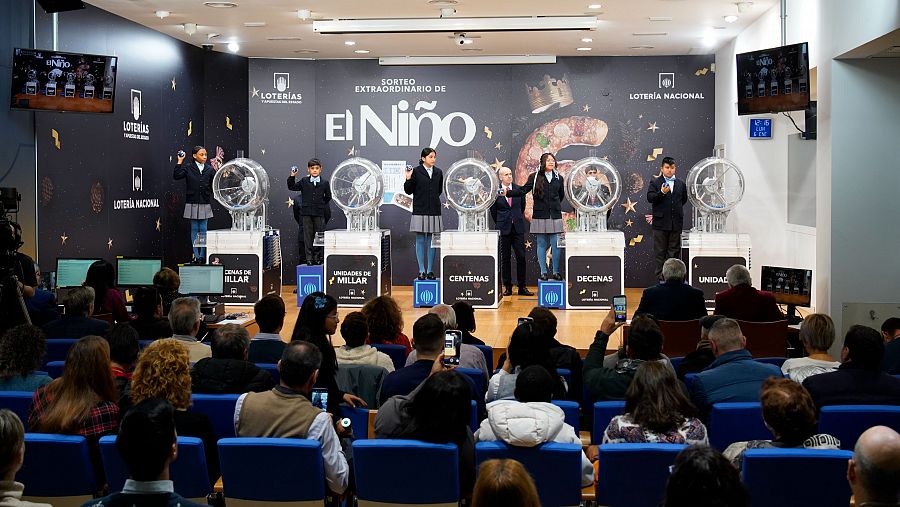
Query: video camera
[(10, 230)]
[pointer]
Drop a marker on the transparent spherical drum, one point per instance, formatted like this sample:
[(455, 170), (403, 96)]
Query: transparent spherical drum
[(470, 185), (593, 185), (715, 184), (357, 185), (241, 185)]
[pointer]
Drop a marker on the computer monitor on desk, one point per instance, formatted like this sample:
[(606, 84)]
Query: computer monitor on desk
[(137, 271), (791, 286), (71, 272), (204, 280)]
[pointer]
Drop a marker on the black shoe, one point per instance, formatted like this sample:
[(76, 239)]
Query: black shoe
[(557, 276), (430, 276), (543, 277), (508, 291), (523, 291), (421, 276)]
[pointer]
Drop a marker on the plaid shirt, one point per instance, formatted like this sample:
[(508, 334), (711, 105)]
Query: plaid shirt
[(103, 418)]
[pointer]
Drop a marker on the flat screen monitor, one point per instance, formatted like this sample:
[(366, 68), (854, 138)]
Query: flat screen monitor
[(791, 286), (58, 81), (137, 271), (202, 280), (72, 272), (773, 80)]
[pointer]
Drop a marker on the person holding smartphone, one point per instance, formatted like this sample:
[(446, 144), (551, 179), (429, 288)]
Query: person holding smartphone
[(425, 183), (667, 194), (198, 176)]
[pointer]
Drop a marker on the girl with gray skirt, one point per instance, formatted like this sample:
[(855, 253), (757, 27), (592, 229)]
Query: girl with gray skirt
[(425, 183), (198, 176)]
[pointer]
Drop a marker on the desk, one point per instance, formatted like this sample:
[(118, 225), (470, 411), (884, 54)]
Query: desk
[(248, 322)]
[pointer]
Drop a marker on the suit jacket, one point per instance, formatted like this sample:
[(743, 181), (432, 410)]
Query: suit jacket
[(315, 197), (298, 204), (673, 301), (732, 377), (850, 385), (71, 326), (668, 208), (746, 303), (426, 191), (199, 186), (509, 219), (548, 205)]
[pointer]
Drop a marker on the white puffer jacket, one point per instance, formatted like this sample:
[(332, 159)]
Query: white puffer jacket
[(528, 425)]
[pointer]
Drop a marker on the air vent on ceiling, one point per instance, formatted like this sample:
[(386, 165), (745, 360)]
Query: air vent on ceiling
[(649, 34), (277, 38), (306, 51), (254, 24), (660, 18)]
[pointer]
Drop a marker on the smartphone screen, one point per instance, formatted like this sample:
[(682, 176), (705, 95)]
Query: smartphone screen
[(523, 320), (452, 340), (320, 397), (619, 307)]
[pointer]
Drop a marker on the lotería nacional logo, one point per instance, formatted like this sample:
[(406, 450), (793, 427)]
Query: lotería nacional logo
[(667, 80), (136, 129), (137, 179), (280, 94)]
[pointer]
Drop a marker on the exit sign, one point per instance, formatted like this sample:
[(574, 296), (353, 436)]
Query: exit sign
[(760, 128)]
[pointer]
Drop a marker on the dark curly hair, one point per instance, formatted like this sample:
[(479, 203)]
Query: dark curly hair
[(22, 350), (384, 318)]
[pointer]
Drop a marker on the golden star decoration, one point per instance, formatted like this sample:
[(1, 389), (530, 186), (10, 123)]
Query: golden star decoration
[(173, 84), (652, 127), (228, 123), (528, 244), (63, 239), (55, 135), (629, 206), (629, 223), (254, 93), (655, 153), (158, 224), (109, 244), (190, 128), (497, 164), (586, 108), (290, 202), (498, 146), (488, 132), (635, 240)]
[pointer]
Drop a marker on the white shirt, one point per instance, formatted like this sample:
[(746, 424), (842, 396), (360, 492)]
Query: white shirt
[(429, 170), (199, 166)]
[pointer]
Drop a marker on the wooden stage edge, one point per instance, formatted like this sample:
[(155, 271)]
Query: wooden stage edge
[(494, 326)]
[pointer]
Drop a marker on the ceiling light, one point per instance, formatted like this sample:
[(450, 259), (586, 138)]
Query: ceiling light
[(304, 14), (649, 34), (220, 5), (162, 14), (190, 28), (587, 39), (582, 49), (595, 6), (349, 43), (642, 47), (731, 18), (419, 25), (362, 51), (254, 24), (442, 2), (446, 12), (744, 6), (466, 60), (233, 47)]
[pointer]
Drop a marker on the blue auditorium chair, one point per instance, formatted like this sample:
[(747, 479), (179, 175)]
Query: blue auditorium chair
[(142, 344), (269, 470), (570, 409), (220, 410), (474, 421), (566, 374), (777, 361), (55, 368), (634, 475), (477, 376), (19, 402), (359, 420), (397, 353), (272, 368), (796, 477), (676, 362), (57, 470), (736, 422), (604, 411), (430, 473), (58, 349), (561, 462), (848, 422), (488, 352), (188, 471)]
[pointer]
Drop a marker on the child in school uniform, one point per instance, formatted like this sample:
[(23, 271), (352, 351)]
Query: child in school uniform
[(316, 193)]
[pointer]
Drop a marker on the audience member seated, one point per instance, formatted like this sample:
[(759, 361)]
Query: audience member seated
[(355, 332), (817, 336), (428, 337), (148, 444), (743, 302), (75, 323), (22, 350), (470, 356), (163, 371), (530, 419), (789, 414), (228, 371), (101, 276), (673, 299), (656, 411), (167, 282), (82, 401), (267, 345), (42, 304), (859, 380), (504, 483), (874, 469), (465, 322), (701, 477), (644, 344), (526, 348), (123, 353), (150, 323), (438, 411), (890, 331), (699, 359), (385, 322), (562, 356), (286, 412), (734, 375), (185, 318), (316, 323), (12, 455)]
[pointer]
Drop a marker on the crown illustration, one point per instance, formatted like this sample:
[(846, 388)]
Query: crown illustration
[(549, 92)]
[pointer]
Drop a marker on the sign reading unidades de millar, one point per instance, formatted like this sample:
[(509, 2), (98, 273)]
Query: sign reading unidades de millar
[(351, 279)]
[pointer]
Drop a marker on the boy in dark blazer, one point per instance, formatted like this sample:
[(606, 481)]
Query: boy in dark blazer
[(508, 214), (316, 195), (667, 194)]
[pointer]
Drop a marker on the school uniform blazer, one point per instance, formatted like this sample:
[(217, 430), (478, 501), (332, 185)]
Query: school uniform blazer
[(549, 205), (315, 197), (199, 185), (426, 191), (668, 208)]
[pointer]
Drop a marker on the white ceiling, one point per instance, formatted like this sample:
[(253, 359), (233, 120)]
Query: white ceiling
[(619, 21)]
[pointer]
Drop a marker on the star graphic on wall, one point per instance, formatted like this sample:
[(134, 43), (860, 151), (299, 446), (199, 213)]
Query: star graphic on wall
[(488, 132), (629, 223), (290, 202), (262, 150), (109, 244), (158, 224), (528, 244), (255, 92), (586, 108), (352, 152), (640, 116), (498, 146), (652, 127), (497, 164), (447, 204), (173, 84), (629, 206), (63, 239)]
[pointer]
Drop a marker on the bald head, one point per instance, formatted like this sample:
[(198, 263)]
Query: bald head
[(874, 471), (446, 314)]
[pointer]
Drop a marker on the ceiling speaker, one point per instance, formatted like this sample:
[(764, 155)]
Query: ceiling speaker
[(51, 6)]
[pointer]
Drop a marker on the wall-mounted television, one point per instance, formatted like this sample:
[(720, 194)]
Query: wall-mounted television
[(773, 80), (58, 81)]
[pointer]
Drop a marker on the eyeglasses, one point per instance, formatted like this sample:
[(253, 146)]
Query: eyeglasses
[(335, 317)]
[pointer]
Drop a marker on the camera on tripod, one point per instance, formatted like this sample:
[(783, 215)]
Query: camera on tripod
[(11, 302)]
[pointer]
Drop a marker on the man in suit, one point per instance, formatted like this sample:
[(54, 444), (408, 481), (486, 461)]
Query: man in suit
[(667, 194), (76, 323), (508, 213), (673, 299), (743, 302)]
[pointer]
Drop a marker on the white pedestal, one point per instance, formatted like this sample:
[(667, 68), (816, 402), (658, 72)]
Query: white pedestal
[(470, 268), (595, 269), (357, 265), (252, 261), (709, 255)]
